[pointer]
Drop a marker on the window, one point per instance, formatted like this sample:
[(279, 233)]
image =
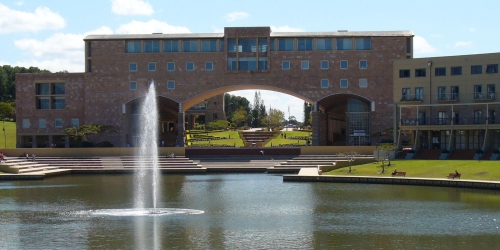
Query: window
[(456, 71), (490, 88), (170, 66), (304, 44), (404, 73), (324, 44), (304, 65), (247, 63), (26, 123), (231, 45), (42, 123), (58, 123), (231, 63), (363, 64), (442, 117), (262, 63), (170, 84), (344, 83), (344, 44), (476, 69), (209, 65), (152, 66), (405, 94), (209, 45), (440, 71), (190, 66), (221, 45), (478, 92), (132, 67), (491, 116), (272, 44), (408, 45), (190, 46), (171, 46), (50, 96), (363, 44), (478, 117), (491, 68), (247, 45), (214, 116), (325, 83), (344, 64), (151, 46), (363, 83), (262, 44), (419, 94), (441, 93), (455, 93), (419, 72), (133, 47), (324, 64), (285, 65), (75, 122), (132, 85), (285, 44)]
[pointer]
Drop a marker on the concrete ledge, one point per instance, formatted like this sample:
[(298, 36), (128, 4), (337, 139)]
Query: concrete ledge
[(5, 177)]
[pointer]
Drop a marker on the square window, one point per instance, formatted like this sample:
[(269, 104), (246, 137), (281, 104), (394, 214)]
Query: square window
[(132, 85), (133, 47), (285, 65), (58, 102), (190, 66), (26, 123), (363, 83), (58, 123), (304, 64), (456, 71), (209, 65), (325, 83), (363, 64), (344, 64), (404, 73), (152, 66), (42, 123), (132, 67), (344, 83), (491, 68), (344, 44), (170, 84), (75, 122), (170, 66), (476, 69), (324, 64), (440, 71), (420, 73)]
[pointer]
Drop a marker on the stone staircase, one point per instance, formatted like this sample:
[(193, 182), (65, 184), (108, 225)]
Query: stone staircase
[(22, 166), (327, 162), (462, 154), (257, 138)]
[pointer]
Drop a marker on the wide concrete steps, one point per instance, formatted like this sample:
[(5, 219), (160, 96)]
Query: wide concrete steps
[(21, 166)]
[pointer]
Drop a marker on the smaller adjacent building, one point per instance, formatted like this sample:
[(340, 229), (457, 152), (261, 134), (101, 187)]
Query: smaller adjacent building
[(448, 102)]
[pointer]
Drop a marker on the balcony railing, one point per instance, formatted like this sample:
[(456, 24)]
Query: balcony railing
[(484, 95), (412, 98), (448, 121), (448, 97)]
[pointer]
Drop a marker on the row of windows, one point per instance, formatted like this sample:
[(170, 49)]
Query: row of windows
[(250, 63), (454, 94), (58, 123), (246, 45), (454, 71)]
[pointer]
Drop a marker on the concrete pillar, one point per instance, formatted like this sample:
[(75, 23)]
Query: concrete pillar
[(316, 117), (33, 144)]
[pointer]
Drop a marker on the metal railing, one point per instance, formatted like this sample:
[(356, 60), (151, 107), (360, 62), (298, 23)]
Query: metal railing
[(448, 96), (412, 98), (484, 95), (448, 121)]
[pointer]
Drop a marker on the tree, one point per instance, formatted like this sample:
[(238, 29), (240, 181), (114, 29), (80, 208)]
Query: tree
[(388, 151), (351, 156), (307, 114), (217, 124), (239, 116), (292, 120), (7, 111), (275, 118)]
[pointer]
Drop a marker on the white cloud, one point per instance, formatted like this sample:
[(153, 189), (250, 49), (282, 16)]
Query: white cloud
[(236, 16), (421, 46), (17, 21), (152, 26), (131, 7), (286, 29), (463, 44)]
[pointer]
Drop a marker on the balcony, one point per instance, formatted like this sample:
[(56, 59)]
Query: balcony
[(412, 98), (451, 97), (448, 121), (484, 96)]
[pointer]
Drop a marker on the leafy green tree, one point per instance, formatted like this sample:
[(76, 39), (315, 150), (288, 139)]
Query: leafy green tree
[(7, 111), (239, 116), (307, 113), (217, 124), (275, 118)]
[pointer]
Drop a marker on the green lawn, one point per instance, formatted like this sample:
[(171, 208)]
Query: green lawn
[(8, 138), (233, 135), (471, 170), (292, 138)]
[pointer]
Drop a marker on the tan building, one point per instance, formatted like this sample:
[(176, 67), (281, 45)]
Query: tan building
[(346, 75), (449, 103)]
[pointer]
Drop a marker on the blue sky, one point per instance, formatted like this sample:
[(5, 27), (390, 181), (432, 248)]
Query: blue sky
[(49, 34)]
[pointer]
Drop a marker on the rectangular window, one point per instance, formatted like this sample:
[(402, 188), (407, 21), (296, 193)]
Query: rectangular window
[(231, 45), (132, 67), (476, 69), (58, 89), (324, 64), (247, 45), (285, 44), (75, 122), (132, 85), (304, 65), (152, 66), (440, 71), (478, 92), (58, 103), (363, 64), (304, 44), (170, 66), (170, 84), (442, 117), (404, 73), (491, 68), (26, 123), (456, 71), (262, 63), (324, 44), (344, 44), (491, 116), (344, 64), (344, 83), (209, 45), (43, 103), (420, 72), (490, 88), (43, 89), (171, 46), (419, 94), (408, 45), (272, 44), (151, 46), (190, 46), (262, 44), (363, 44), (221, 45), (42, 123), (209, 66), (190, 66), (455, 93), (363, 83), (478, 116), (405, 94), (247, 63), (325, 83), (58, 123), (442, 93), (133, 47), (231, 63), (285, 65)]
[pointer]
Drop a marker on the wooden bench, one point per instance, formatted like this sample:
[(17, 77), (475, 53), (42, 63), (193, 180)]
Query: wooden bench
[(454, 175), (398, 174)]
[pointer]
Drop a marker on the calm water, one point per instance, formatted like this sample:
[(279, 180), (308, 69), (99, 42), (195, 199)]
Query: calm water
[(246, 211)]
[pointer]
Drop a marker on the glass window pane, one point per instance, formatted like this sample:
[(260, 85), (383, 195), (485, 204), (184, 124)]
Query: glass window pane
[(323, 44), (171, 85), (231, 45), (247, 44), (58, 103), (344, 44), (171, 46), (170, 66), (43, 103), (304, 44), (58, 89), (285, 44), (221, 45), (325, 83), (231, 63), (209, 45), (363, 43), (42, 89), (133, 47), (262, 63), (190, 46), (262, 44)]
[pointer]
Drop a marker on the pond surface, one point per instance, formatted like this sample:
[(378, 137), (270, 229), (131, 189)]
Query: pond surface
[(244, 211)]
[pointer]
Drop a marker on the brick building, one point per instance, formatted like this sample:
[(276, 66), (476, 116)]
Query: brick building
[(346, 75)]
